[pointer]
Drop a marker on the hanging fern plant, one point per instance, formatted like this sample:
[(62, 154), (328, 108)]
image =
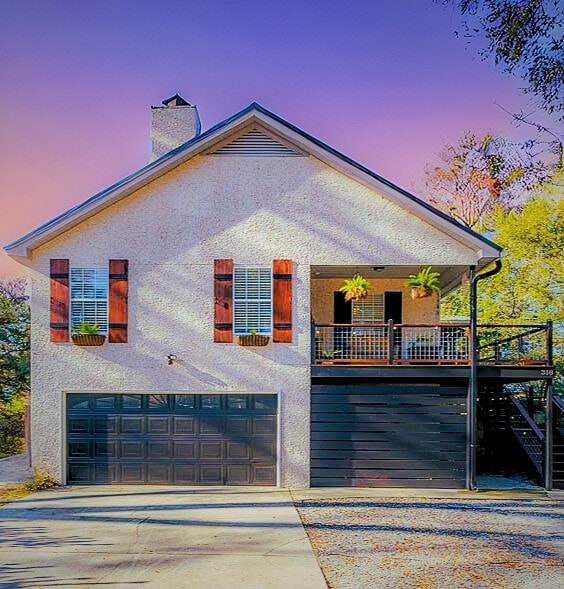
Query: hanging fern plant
[(424, 283), (355, 288)]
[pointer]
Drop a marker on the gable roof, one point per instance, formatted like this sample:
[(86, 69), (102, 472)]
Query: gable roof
[(254, 113)]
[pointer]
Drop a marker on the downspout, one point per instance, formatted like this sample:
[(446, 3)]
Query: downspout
[(472, 419)]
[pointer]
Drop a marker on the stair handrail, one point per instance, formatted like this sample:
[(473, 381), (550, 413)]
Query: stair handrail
[(527, 418)]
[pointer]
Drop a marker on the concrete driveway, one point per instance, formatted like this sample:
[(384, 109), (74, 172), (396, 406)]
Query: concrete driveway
[(155, 537)]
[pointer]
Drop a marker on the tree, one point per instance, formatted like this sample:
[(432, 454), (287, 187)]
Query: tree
[(14, 339), (479, 176), (530, 285), (14, 365), (525, 38)]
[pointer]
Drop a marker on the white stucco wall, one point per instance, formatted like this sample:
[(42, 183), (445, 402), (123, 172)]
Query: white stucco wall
[(246, 208)]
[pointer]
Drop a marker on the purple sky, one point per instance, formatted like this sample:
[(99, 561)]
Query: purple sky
[(385, 82)]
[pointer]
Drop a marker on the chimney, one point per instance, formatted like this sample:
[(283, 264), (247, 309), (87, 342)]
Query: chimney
[(172, 125)]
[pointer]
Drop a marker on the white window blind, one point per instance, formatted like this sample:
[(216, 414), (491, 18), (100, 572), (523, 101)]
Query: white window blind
[(369, 309), (252, 300), (89, 297)]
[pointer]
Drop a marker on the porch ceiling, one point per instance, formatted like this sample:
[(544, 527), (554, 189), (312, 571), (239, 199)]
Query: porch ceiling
[(451, 276)]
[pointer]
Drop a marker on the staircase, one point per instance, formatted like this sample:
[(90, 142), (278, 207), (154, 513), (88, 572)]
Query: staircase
[(527, 434), (558, 443)]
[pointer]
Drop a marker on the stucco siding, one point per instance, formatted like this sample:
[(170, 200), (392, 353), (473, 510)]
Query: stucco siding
[(252, 210)]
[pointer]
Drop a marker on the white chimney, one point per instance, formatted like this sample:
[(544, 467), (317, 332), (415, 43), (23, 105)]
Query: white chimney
[(172, 125)]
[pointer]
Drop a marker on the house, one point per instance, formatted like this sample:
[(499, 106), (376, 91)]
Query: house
[(243, 234)]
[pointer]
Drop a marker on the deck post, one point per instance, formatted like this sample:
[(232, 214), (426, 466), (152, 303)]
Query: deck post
[(313, 343), (548, 439), (390, 341)]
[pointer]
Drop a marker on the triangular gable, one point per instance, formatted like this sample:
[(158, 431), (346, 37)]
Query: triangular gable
[(221, 135)]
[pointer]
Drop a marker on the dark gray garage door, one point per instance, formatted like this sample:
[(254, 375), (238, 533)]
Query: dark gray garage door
[(388, 436), (171, 439)]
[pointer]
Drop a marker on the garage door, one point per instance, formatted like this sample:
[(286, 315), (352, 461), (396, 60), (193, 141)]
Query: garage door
[(186, 439), (388, 436)]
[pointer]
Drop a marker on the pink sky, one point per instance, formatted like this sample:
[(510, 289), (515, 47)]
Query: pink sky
[(384, 82)]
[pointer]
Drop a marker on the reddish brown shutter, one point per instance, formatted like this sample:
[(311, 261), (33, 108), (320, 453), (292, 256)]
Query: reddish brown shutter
[(59, 273), (117, 302), (282, 301), (223, 307)]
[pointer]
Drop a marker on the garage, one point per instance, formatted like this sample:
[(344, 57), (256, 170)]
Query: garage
[(184, 439), (383, 435)]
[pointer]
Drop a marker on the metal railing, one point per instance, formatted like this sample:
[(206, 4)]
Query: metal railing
[(403, 343), (527, 433), (389, 343), (515, 344)]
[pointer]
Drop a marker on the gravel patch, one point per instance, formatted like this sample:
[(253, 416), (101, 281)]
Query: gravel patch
[(408, 543)]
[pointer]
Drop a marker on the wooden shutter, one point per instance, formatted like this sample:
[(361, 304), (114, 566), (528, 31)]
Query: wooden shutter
[(117, 302), (223, 304), (282, 301), (59, 321)]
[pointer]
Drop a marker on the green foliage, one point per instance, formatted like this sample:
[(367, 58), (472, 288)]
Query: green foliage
[(425, 278), (525, 38), (12, 426), (14, 339), (40, 482), (86, 328), (355, 288), (530, 285)]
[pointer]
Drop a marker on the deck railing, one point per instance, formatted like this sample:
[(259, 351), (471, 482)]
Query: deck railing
[(389, 343), (515, 344), (393, 344)]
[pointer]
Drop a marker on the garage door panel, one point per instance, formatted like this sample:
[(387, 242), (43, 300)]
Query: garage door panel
[(105, 425), (211, 474), (264, 474), (78, 425), (238, 425), (184, 449), (183, 425), (158, 449), (132, 425), (77, 449), (158, 425), (264, 425), (209, 449), (238, 450), (164, 439), (158, 474), (210, 425), (185, 474), (131, 449), (132, 473), (104, 449)]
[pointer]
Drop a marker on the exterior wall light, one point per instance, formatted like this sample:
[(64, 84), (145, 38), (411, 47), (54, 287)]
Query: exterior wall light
[(171, 358)]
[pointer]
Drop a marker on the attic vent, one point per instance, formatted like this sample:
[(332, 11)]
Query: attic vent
[(255, 143)]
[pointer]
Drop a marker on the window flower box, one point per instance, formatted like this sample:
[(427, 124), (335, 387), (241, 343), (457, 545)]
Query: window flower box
[(83, 339), (254, 340)]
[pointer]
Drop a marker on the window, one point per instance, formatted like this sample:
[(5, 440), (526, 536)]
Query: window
[(89, 297), (252, 300), (369, 309)]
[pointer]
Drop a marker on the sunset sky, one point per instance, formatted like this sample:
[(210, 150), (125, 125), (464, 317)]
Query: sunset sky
[(386, 82)]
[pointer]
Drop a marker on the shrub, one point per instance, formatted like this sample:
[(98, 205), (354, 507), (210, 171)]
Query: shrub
[(12, 426)]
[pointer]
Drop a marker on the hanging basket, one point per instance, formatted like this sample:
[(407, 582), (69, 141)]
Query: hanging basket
[(253, 340), (82, 339), (420, 292)]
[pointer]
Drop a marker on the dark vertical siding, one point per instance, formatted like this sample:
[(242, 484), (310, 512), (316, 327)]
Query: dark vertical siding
[(375, 435)]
